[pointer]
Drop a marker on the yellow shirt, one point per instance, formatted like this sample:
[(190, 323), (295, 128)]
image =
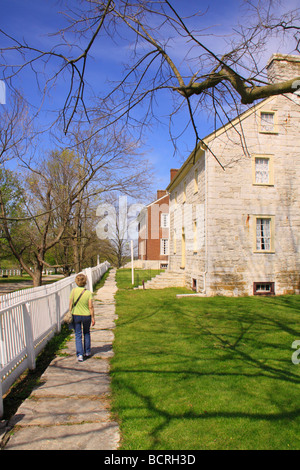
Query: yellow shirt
[(82, 307)]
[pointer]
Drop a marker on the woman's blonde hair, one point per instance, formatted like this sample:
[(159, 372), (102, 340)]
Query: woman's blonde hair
[(80, 280)]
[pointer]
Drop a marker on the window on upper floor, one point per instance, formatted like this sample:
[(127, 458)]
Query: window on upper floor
[(268, 122), (264, 234), (263, 170), (165, 220)]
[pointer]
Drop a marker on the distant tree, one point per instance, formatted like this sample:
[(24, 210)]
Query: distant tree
[(118, 226), (60, 193), (15, 128), (11, 194), (46, 214)]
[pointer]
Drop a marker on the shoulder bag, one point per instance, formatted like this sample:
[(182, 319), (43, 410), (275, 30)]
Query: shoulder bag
[(68, 318)]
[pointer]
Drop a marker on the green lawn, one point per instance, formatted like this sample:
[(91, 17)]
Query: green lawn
[(16, 279), (205, 373), (21, 279), (124, 277)]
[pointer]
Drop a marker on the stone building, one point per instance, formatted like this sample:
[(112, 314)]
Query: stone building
[(236, 231)]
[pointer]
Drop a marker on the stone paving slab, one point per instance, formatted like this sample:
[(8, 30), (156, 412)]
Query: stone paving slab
[(100, 349), (71, 383), (69, 409), (55, 410), (85, 436)]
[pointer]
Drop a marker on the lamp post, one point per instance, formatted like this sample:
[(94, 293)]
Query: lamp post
[(132, 269)]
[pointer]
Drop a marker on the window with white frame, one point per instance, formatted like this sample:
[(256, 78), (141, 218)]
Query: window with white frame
[(267, 122), (262, 170), (165, 220), (264, 236), (164, 246)]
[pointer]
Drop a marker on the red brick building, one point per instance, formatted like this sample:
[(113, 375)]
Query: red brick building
[(153, 242)]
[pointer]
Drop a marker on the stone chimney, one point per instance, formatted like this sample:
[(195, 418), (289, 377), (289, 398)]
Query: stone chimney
[(282, 67)]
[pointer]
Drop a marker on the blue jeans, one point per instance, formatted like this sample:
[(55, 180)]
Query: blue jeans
[(82, 323)]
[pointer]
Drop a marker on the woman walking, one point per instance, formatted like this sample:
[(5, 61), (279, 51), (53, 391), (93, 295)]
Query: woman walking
[(83, 316)]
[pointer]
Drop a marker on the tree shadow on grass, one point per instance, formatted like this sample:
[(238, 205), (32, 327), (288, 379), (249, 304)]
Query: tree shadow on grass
[(232, 351)]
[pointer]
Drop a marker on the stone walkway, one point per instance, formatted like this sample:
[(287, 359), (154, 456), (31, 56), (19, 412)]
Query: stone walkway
[(69, 410)]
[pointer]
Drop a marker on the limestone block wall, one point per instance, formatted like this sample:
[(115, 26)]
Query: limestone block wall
[(187, 219), (234, 202), (227, 204)]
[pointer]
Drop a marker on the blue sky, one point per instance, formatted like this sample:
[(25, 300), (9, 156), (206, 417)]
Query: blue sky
[(34, 19)]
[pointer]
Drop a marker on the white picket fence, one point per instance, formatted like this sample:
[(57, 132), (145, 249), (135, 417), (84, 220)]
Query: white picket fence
[(28, 320)]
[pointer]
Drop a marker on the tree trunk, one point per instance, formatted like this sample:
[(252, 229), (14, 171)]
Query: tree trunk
[(76, 255), (37, 275), (77, 238)]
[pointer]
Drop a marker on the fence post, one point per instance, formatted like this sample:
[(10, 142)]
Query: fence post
[(57, 310), (29, 336), (88, 272), (1, 399), (1, 365)]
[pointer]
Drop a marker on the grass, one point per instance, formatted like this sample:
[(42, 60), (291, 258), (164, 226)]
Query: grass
[(5, 280), (101, 282), (205, 373), (124, 279), (25, 278)]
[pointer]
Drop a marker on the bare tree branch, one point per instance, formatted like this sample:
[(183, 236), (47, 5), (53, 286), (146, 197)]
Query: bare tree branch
[(150, 28)]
